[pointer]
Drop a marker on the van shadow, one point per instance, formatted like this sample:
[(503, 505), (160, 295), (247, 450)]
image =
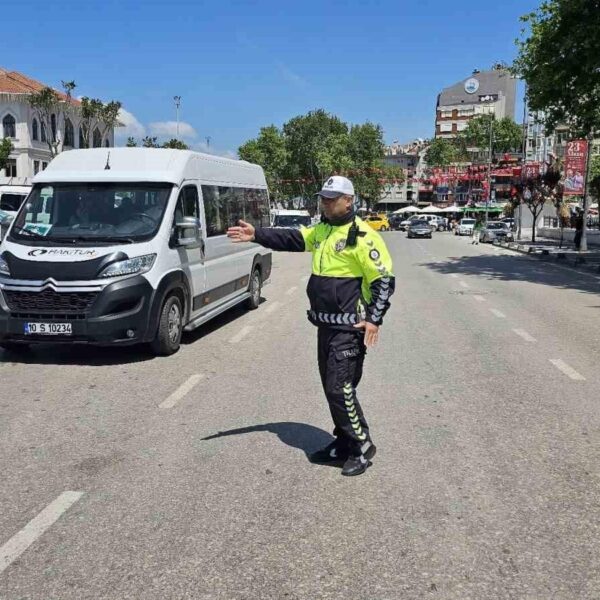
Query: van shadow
[(101, 356), (516, 268), (297, 435)]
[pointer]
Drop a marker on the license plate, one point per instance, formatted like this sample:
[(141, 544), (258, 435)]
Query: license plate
[(48, 329)]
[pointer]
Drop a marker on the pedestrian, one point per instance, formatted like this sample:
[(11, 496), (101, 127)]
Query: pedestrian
[(349, 292), (477, 226), (578, 228)]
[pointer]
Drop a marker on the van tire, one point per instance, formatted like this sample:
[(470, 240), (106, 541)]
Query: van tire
[(170, 327), (255, 289)]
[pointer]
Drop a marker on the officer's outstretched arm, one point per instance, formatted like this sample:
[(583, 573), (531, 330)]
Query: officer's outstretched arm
[(376, 264), (290, 240)]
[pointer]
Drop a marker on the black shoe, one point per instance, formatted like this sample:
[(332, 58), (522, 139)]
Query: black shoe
[(333, 453), (356, 465)]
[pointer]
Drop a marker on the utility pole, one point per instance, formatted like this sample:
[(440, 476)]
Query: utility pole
[(523, 160), (489, 173), (586, 187), (207, 138), (177, 105)]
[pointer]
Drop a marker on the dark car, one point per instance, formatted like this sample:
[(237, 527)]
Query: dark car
[(395, 221), (495, 230), (419, 229)]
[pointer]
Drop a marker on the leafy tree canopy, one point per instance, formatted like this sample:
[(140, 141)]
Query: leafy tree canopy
[(559, 58), (5, 150)]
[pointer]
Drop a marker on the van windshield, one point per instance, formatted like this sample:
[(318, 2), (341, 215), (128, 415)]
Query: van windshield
[(92, 212), (295, 221)]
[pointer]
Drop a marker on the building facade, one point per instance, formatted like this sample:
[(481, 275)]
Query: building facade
[(484, 92), (29, 137)]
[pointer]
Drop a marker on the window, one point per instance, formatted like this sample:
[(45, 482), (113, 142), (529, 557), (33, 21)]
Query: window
[(461, 126), (97, 139), (53, 126), (446, 114), (82, 136), (445, 127), (225, 206), (187, 206), (465, 112), (10, 126), (44, 165), (69, 133), (34, 130), (10, 168), (43, 136), (36, 167)]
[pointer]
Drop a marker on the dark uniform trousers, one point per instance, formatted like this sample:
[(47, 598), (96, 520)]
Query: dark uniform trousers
[(341, 357)]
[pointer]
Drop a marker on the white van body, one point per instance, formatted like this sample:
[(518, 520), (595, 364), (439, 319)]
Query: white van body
[(128, 245), (293, 219)]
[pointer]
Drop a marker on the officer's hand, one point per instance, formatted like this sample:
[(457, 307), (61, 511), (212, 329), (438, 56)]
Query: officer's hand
[(371, 333), (243, 233)]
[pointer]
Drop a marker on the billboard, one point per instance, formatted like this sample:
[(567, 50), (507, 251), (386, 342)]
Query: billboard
[(575, 164)]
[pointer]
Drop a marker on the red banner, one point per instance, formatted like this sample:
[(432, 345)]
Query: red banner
[(530, 170), (575, 162)]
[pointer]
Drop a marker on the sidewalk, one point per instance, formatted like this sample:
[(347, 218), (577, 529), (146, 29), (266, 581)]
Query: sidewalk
[(548, 249)]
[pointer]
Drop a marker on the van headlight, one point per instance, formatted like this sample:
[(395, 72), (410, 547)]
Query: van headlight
[(4, 270), (131, 266)]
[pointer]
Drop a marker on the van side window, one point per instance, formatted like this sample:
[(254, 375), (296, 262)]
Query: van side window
[(225, 206)]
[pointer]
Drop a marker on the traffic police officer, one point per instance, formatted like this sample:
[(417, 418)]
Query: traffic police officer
[(349, 292)]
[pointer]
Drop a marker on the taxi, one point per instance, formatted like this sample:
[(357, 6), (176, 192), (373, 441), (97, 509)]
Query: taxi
[(378, 222)]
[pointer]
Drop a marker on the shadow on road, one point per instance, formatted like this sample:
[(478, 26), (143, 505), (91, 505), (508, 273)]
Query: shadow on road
[(516, 268), (297, 435)]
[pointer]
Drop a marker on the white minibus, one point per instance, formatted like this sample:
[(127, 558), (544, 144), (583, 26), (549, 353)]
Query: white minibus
[(127, 245)]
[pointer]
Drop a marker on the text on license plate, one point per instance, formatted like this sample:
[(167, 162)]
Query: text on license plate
[(48, 329)]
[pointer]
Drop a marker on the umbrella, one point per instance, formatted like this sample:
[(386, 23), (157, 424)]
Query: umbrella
[(452, 209), (431, 209), (407, 209)]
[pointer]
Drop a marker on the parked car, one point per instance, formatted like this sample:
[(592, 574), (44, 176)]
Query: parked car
[(404, 224), (436, 222), (378, 222), (395, 221), (495, 230), (510, 222), (465, 227), (419, 229)]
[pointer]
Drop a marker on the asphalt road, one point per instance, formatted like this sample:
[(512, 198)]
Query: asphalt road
[(189, 478)]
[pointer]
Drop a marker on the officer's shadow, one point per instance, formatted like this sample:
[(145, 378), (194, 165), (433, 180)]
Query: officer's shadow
[(297, 435)]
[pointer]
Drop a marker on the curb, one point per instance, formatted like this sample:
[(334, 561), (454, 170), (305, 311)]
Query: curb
[(577, 262)]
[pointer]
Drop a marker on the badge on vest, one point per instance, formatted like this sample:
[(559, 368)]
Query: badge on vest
[(340, 245), (374, 255)]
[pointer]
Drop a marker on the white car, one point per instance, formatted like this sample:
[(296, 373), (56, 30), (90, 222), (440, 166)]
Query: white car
[(124, 246), (465, 227)]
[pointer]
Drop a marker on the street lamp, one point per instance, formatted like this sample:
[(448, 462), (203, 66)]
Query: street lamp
[(177, 105), (489, 173)]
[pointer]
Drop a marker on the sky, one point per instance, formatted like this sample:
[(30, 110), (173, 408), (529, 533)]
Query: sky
[(239, 66)]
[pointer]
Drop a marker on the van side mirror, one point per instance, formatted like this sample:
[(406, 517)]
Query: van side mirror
[(188, 233)]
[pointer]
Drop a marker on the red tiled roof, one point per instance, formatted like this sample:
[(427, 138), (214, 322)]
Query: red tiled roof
[(14, 82)]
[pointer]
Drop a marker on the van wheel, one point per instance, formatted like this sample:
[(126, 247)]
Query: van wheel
[(255, 288), (170, 327)]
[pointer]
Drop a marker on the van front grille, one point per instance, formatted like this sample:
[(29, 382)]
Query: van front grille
[(49, 301)]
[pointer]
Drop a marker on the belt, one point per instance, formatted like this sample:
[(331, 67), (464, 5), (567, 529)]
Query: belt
[(333, 318)]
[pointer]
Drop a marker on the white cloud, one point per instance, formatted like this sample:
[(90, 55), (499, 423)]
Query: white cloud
[(131, 127), (291, 77), (168, 129)]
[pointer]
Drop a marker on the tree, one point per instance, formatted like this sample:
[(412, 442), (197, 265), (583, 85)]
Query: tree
[(507, 136), (366, 151), (150, 142), (268, 150), (108, 117), (176, 144), (559, 58), (441, 153), (131, 142), (90, 112), (6, 148), (49, 109)]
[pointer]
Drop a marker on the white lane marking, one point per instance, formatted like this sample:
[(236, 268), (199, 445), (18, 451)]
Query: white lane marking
[(497, 313), (242, 333), (272, 307), (479, 298), (561, 365), (305, 278), (291, 290), (522, 333), (463, 284), (19, 542), (454, 275), (183, 390)]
